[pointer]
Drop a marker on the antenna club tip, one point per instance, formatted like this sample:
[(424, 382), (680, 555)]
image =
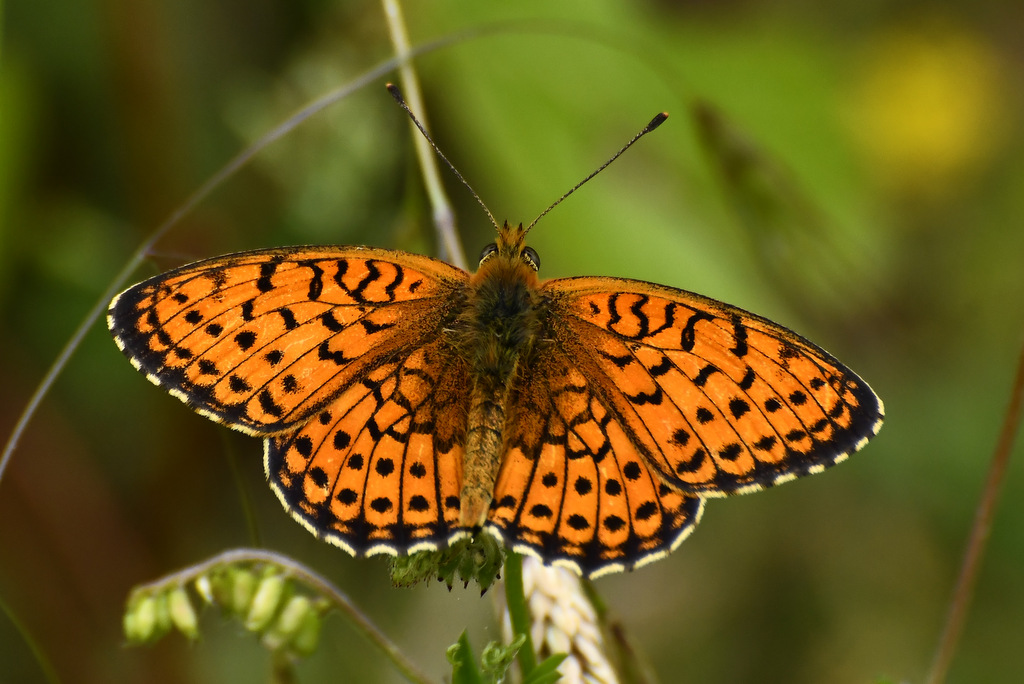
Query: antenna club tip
[(656, 121), (395, 92)]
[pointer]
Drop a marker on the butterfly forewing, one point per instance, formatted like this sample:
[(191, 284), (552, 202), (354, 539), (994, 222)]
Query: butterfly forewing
[(262, 340), (718, 400), (573, 488)]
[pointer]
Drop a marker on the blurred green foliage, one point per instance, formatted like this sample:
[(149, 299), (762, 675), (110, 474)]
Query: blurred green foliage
[(853, 170)]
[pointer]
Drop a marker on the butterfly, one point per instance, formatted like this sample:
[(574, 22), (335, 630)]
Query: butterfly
[(406, 404)]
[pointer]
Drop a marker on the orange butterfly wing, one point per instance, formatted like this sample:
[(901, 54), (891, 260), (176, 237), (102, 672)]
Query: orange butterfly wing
[(638, 401), (573, 488), (262, 340), (379, 469), (717, 400), (338, 354)]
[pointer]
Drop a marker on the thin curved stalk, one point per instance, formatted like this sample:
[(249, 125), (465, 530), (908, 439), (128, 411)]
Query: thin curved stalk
[(978, 540), (318, 583), (185, 209), (37, 651)]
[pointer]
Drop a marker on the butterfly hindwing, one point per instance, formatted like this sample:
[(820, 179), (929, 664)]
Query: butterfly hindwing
[(379, 469), (262, 340), (573, 489), (717, 399)]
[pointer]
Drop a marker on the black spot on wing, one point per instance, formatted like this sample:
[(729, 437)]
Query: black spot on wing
[(316, 283), (640, 398), (370, 327), (288, 318), (245, 340), (267, 270), (704, 373), (620, 361), (739, 332), (324, 353), (328, 320), (662, 367), (268, 404), (689, 335)]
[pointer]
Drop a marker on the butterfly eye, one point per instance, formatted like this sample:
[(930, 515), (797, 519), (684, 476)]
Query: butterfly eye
[(531, 257), (487, 252)]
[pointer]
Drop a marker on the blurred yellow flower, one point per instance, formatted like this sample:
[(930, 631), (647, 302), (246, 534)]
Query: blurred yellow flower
[(926, 108)]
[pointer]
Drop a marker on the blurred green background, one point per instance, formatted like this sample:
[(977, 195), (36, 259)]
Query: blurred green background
[(854, 170)]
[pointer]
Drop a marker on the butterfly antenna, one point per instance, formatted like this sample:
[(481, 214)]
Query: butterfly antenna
[(397, 94), (655, 122)]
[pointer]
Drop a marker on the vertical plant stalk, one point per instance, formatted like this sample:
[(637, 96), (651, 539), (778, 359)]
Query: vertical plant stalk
[(978, 540), (248, 511), (518, 611), (444, 217)]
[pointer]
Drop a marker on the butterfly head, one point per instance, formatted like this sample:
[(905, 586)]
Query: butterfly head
[(510, 248)]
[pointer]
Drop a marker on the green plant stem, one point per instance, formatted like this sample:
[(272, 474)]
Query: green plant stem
[(444, 217), (37, 652), (231, 455), (314, 581), (978, 540), (519, 611), (282, 669)]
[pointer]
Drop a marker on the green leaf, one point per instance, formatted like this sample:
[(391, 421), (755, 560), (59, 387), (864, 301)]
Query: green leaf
[(547, 671), (464, 667), (497, 658)]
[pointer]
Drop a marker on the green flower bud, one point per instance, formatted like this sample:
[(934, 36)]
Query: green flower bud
[(288, 621), (293, 614), (163, 614), (205, 588), (221, 583), (265, 603), (183, 615), (140, 619), (128, 624), (307, 636), (243, 587)]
